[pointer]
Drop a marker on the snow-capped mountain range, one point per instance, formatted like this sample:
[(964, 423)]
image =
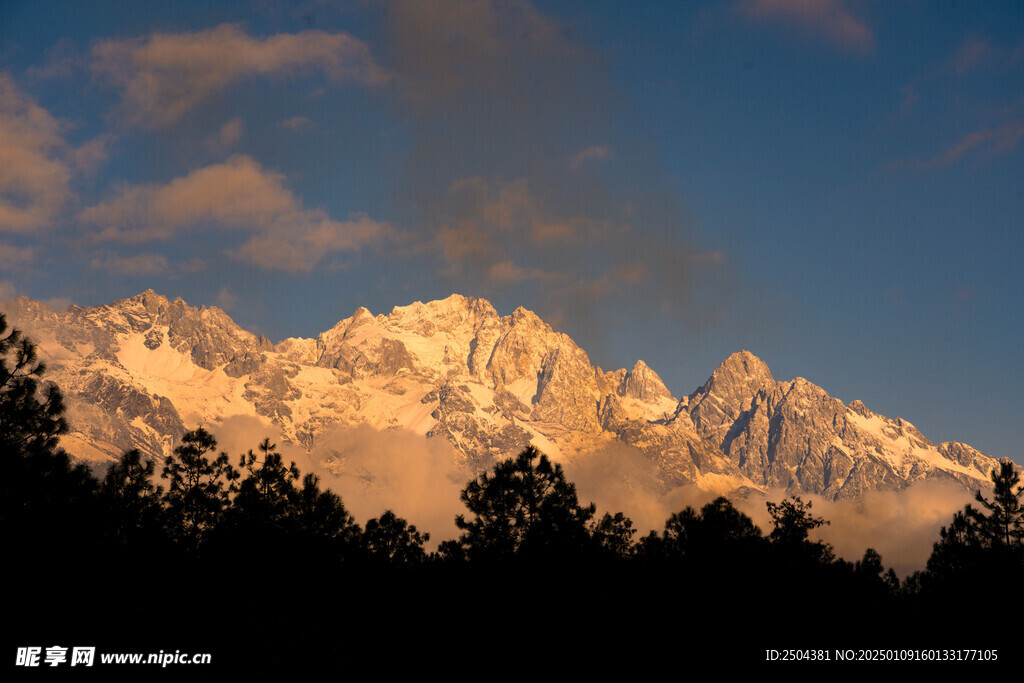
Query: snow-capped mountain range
[(141, 371)]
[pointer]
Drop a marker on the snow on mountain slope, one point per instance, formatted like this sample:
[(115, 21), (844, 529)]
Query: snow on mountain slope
[(140, 371)]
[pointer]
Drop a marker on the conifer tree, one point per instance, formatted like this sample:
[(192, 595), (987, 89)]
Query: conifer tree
[(31, 412), (613, 534), (266, 495), (981, 545), (792, 523), (392, 540), (716, 527), (322, 514), (526, 507), (1001, 520), (131, 499), (198, 488)]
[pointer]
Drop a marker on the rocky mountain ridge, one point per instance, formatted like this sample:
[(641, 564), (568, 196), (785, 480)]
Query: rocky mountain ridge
[(140, 371)]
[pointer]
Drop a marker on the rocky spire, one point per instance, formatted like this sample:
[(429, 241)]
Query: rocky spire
[(643, 383), (729, 392)]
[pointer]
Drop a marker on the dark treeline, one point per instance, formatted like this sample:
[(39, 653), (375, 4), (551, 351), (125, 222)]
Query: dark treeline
[(245, 557)]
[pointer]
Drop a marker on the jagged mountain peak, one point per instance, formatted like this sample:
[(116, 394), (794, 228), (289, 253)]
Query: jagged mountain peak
[(744, 364), (150, 301), (140, 371), (642, 382), (801, 387), (23, 307), (522, 313), (453, 311), (166, 311), (858, 407), (728, 393)]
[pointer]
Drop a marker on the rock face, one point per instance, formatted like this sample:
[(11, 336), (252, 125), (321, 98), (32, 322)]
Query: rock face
[(140, 371), (643, 383)]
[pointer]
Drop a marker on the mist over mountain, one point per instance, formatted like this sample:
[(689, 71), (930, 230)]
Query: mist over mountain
[(139, 372)]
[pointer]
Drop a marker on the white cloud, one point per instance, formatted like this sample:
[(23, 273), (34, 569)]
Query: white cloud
[(162, 76), (237, 195), (34, 173), (830, 20)]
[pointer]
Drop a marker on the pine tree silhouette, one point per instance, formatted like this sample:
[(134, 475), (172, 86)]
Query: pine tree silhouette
[(526, 508), (31, 412), (198, 488), (1003, 523)]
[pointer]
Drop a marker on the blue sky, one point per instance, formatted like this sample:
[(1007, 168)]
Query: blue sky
[(834, 185)]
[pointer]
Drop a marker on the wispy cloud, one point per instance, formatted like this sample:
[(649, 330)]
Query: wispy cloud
[(90, 155), (622, 275), (995, 141), (978, 52), (12, 256), (227, 136), (829, 20), (508, 272), (972, 53), (908, 99), (299, 242), (237, 195), (594, 153), (487, 222), (162, 76), (225, 299), (297, 123), (63, 59), (136, 264)]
